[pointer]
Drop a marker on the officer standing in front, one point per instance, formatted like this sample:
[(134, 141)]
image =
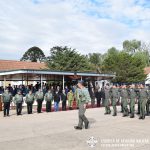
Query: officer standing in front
[(39, 97), (84, 99), (18, 100), (49, 99), (29, 101), (6, 99), (76, 95), (64, 100), (106, 99), (114, 99), (148, 103), (124, 97), (132, 97), (143, 92)]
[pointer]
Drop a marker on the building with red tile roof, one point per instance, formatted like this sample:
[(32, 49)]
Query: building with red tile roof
[(6, 65)]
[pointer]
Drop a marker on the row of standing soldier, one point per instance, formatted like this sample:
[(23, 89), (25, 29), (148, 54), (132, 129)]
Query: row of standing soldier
[(127, 95), (30, 98), (50, 96)]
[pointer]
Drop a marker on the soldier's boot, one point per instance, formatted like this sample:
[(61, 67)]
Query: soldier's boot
[(115, 114), (109, 111), (87, 125), (124, 115), (127, 112), (115, 111), (140, 117), (77, 128), (132, 115), (106, 110), (143, 117)]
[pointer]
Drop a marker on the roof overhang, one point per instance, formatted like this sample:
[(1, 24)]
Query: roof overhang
[(50, 72)]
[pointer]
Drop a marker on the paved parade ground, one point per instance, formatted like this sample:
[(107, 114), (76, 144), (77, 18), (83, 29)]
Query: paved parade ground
[(55, 131)]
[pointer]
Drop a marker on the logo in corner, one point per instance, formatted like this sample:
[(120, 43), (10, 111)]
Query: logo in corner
[(92, 142)]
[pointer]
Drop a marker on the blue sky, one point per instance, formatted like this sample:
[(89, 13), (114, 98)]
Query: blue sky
[(87, 25)]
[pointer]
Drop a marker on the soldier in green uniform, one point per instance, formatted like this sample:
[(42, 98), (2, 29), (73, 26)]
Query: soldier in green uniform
[(148, 103), (132, 97), (64, 100), (92, 95), (49, 99), (76, 94), (137, 89), (84, 99), (119, 98), (106, 99), (114, 99), (143, 92), (18, 100), (124, 98), (6, 99), (39, 97), (29, 101), (70, 97)]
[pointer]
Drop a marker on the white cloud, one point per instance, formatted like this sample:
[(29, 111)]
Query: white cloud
[(80, 24)]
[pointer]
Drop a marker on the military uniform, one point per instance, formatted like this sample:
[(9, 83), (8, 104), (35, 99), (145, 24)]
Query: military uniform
[(48, 98), (98, 95), (119, 99), (92, 95), (106, 99), (124, 97), (114, 97), (148, 104), (39, 96), (29, 101), (64, 99), (132, 96), (138, 99), (18, 100), (6, 98), (84, 98), (77, 93), (143, 100), (70, 98)]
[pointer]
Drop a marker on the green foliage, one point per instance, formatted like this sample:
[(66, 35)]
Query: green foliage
[(128, 68), (96, 60), (110, 60), (132, 46), (67, 59), (128, 64), (34, 54)]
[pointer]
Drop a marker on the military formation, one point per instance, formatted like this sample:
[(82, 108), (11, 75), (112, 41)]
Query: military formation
[(127, 97), (80, 95), (51, 95)]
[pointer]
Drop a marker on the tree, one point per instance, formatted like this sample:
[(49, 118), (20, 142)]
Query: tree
[(67, 59), (128, 68), (145, 48), (34, 54), (132, 46), (96, 59), (110, 60)]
